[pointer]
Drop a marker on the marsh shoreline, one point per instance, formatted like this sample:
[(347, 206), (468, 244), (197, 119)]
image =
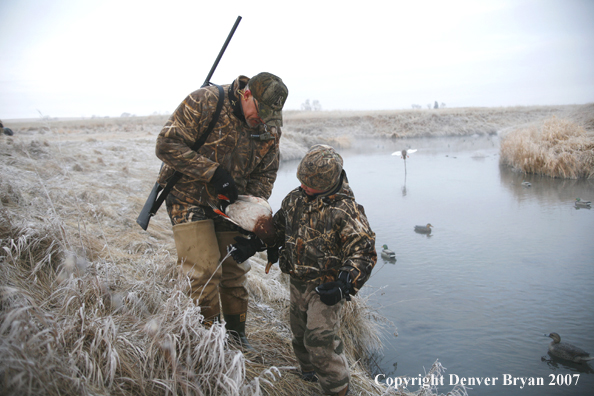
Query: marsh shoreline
[(90, 298)]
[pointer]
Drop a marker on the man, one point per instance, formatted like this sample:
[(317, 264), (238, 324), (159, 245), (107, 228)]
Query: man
[(240, 156), (328, 248)]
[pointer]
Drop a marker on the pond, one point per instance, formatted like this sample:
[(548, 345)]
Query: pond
[(504, 264)]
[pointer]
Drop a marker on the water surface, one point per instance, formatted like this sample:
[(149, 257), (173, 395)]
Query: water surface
[(504, 264)]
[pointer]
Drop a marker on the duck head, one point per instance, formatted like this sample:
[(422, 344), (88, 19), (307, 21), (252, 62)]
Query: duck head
[(264, 229), (556, 337)]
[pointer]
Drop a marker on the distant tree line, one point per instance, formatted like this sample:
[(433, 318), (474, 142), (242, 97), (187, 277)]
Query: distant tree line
[(314, 106), (429, 105)]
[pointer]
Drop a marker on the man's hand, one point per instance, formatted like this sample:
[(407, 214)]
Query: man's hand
[(246, 248), (224, 184), (332, 292)]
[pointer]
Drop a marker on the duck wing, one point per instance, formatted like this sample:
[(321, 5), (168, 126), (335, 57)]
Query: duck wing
[(567, 351), (251, 213)]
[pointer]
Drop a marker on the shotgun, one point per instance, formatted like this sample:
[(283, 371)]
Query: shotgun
[(158, 194)]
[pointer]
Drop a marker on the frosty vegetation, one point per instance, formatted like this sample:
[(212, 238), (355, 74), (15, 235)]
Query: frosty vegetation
[(93, 305), (559, 146)]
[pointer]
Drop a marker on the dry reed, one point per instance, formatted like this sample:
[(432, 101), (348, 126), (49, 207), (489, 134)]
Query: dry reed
[(555, 147)]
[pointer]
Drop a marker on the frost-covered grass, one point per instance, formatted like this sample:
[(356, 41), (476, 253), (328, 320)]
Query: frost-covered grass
[(93, 305), (556, 147)]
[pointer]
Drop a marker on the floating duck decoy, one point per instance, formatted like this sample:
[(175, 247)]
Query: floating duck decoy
[(526, 184), (567, 351), (253, 214), (423, 229), (582, 204), (388, 254)]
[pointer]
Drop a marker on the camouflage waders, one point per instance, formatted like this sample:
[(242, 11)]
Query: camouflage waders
[(201, 242), (315, 337)]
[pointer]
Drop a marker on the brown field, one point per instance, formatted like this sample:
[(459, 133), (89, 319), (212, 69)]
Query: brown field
[(92, 304)]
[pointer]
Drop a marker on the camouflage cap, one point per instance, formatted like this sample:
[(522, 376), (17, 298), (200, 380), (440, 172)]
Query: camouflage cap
[(271, 93), (321, 168)]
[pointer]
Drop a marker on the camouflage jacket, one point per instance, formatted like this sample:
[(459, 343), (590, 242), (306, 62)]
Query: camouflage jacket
[(252, 162), (328, 234)]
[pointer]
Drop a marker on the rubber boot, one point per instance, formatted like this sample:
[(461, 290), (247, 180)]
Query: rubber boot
[(233, 287), (309, 376), (235, 325)]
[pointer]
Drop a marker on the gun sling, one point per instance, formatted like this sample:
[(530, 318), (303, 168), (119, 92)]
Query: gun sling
[(155, 200)]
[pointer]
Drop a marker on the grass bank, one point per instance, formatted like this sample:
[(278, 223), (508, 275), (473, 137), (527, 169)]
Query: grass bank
[(92, 305)]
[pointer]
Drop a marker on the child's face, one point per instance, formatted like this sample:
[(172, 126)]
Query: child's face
[(310, 191)]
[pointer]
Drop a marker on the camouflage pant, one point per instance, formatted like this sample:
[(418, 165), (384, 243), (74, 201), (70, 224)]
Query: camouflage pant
[(212, 286), (315, 337)]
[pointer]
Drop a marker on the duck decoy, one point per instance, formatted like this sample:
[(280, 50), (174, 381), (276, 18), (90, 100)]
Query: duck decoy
[(526, 184), (251, 213), (404, 155), (423, 229), (582, 204), (388, 254), (567, 351)]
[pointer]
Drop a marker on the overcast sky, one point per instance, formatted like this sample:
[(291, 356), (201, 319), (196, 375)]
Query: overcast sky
[(72, 58)]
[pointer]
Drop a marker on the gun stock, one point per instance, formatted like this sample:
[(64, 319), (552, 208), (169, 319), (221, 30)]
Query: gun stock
[(145, 214)]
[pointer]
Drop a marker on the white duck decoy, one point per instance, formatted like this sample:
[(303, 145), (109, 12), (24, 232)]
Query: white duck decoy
[(526, 184), (404, 153), (567, 351), (388, 254), (423, 229), (582, 204), (404, 156), (253, 214)]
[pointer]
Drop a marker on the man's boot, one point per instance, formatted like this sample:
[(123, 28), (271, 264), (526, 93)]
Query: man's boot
[(343, 392), (235, 325), (309, 376)]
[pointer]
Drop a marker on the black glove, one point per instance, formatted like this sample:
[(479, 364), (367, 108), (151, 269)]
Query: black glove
[(332, 292), (246, 248), (224, 184)]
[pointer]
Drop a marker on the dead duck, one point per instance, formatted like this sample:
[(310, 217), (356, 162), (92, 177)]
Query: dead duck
[(582, 204), (423, 229), (251, 213), (388, 254), (567, 351)]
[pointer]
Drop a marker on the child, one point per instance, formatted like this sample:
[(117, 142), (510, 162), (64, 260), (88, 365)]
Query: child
[(328, 249)]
